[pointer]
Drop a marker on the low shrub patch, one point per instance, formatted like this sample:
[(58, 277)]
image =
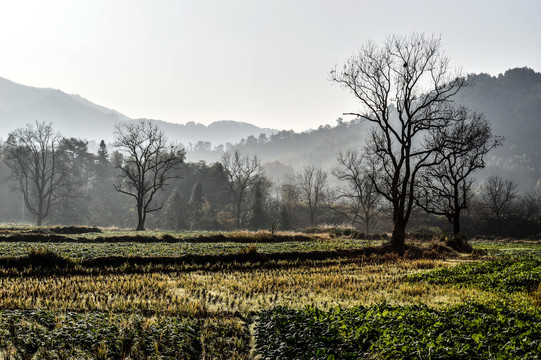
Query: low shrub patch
[(468, 331), (504, 275), (29, 334)]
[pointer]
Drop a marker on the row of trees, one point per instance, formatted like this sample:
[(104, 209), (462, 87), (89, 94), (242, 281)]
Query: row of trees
[(406, 90), (421, 154), (58, 178)]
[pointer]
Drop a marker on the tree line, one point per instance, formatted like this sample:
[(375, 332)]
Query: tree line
[(419, 157), (52, 179)]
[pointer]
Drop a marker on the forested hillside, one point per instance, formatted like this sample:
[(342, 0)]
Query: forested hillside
[(510, 101), (201, 194)]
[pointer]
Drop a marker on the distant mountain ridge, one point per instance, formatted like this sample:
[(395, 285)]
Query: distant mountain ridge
[(75, 116), (510, 101)]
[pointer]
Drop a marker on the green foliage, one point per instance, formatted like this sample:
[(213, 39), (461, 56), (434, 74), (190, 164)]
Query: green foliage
[(503, 275), (508, 248), (226, 338), (468, 331), (86, 250), (43, 334)]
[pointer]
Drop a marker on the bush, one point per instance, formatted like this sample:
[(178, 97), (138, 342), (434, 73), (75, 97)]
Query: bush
[(458, 243), (46, 258)]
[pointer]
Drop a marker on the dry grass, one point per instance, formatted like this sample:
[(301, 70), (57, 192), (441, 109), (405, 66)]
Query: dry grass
[(202, 293), (117, 293)]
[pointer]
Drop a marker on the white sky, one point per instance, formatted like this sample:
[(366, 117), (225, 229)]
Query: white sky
[(261, 61)]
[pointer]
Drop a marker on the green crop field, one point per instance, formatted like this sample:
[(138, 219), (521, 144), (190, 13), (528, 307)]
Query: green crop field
[(71, 294)]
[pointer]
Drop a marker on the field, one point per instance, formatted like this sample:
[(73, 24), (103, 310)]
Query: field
[(86, 293)]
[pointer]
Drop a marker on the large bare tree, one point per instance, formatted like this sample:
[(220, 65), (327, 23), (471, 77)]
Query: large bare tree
[(32, 155), (147, 166), (363, 202), (241, 174), (312, 183), (445, 189), (405, 88)]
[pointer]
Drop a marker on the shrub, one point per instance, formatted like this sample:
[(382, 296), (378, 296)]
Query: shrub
[(458, 243), (46, 258)]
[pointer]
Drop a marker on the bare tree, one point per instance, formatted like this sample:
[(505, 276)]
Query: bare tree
[(312, 183), (531, 204), (445, 189), (147, 166), (359, 192), (498, 195), (241, 173), (405, 90), (32, 155), (289, 201)]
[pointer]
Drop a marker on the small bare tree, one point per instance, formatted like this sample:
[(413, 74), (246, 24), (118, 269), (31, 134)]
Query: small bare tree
[(531, 204), (241, 173), (147, 165), (289, 201), (445, 188), (312, 183), (498, 195), (32, 155), (362, 199), (405, 88)]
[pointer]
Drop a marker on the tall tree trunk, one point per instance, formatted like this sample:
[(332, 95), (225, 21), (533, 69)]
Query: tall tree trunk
[(40, 210), (456, 223), (398, 238), (140, 225), (140, 218), (238, 214), (367, 222)]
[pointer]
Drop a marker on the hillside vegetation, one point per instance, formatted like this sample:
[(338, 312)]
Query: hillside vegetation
[(510, 101)]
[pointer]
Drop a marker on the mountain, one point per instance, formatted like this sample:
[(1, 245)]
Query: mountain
[(75, 116), (195, 135), (510, 101), (70, 114)]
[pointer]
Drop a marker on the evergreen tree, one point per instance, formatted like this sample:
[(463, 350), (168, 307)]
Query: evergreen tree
[(102, 163), (103, 154), (174, 212), (199, 209)]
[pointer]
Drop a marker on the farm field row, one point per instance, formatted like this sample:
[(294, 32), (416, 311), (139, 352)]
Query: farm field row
[(77, 250), (312, 308), (201, 292)]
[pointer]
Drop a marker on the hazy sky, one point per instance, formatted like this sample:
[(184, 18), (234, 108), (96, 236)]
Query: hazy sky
[(261, 61)]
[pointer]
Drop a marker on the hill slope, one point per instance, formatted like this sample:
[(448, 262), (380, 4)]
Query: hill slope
[(510, 101), (75, 116)]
